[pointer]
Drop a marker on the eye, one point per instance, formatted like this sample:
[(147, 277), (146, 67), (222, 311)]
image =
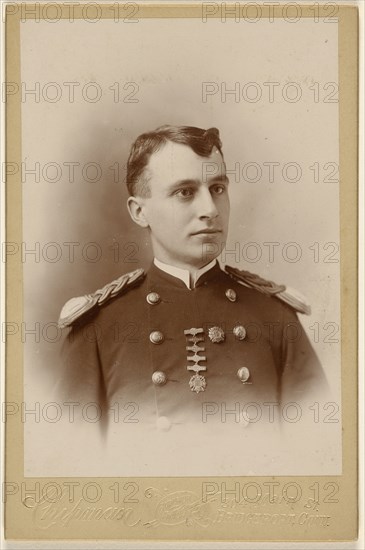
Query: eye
[(184, 193), (218, 189)]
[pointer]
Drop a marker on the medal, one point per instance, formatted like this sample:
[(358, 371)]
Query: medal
[(197, 382)]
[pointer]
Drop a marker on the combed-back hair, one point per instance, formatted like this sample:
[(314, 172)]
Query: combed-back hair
[(201, 142)]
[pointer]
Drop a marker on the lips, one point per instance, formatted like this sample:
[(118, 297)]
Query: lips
[(207, 231)]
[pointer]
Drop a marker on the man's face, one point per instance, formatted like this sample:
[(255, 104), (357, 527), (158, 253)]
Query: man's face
[(188, 210)]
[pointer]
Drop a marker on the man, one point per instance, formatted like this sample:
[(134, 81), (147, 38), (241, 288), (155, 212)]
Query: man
[(186, 333)]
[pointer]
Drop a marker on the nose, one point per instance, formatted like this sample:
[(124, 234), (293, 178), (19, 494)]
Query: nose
[(206, 207)]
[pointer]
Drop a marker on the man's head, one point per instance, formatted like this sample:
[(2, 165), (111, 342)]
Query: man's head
[(177, 181)]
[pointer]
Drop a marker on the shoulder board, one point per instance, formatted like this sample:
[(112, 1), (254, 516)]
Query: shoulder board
[(288, 295), (76, 307)]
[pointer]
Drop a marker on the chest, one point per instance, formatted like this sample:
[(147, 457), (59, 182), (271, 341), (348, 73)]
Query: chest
[(176, 352)]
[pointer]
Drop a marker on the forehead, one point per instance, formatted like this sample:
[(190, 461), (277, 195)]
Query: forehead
[(174, 162)]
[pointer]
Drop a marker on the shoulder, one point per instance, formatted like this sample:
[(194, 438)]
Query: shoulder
[(263, 287), (77, 308)]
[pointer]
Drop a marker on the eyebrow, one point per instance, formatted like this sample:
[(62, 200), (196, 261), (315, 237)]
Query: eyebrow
[(222, 179)]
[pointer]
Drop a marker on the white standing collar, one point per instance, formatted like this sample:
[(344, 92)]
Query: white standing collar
[(184, 274)]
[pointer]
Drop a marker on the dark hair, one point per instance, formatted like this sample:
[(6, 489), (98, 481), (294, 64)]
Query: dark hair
[(201, 142)]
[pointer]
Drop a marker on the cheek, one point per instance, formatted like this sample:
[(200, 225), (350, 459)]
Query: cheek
[(163, 221), (168, 219), (225, 209)]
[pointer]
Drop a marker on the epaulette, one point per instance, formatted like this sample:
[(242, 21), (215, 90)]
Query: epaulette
[(288, 295), (76, 307)]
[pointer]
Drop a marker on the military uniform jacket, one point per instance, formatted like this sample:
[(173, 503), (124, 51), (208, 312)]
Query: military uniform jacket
[(142, 347)]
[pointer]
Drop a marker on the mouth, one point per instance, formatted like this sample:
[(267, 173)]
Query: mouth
[(207, 232)]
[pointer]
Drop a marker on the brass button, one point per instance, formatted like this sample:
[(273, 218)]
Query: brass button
[(159, 378), (216, 335), (156, 337), (240, 332), (153, 298), (231, 295), (243, 374)]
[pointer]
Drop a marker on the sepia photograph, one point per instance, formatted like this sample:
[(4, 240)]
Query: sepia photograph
[(186, 242), (180, 254)]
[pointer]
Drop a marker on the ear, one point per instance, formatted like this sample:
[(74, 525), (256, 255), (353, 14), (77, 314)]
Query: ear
[(135, 207)]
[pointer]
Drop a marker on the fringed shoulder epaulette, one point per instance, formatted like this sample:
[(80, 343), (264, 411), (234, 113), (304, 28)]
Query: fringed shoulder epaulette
[(288, 295), (76, 307)]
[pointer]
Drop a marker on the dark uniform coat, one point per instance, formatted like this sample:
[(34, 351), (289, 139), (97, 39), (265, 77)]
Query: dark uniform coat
[(142, 347)]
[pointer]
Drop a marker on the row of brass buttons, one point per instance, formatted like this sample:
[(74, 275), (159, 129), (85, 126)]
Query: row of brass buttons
[(159, 378), (153, 298), (216, 335)]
